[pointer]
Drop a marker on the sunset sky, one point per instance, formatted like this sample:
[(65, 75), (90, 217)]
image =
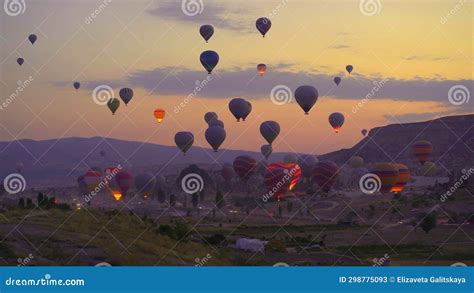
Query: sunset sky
[(421, 48)]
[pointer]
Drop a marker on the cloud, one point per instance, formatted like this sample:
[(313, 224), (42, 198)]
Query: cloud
[(339, 46), (426, 58), (224, 17)]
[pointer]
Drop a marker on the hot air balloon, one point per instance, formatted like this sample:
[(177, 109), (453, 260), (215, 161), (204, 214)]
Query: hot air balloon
[(215, 136), (184, 140), (227, 172), (210, 116), (92, 179), (356, 162), (387, 173), (20, 61), (216, 122), (428, 169), (32, 38), (349, 68), (270, 130), (261, 168), (306, 96), (76, 85), (263, 25), (266, 150), (206, 31), (289, 159), (364, 132), (145, 183), (280, 178), (422, 150), (124, 181), (306, 163), (247, 111), (238, 107), (19, 166), (113, 105), (209, 60), (159, 115), (402, 179), (261, 68), (115, 189), (126, 94), (325, 175), (245, 167), (337, 80), (336, 120)]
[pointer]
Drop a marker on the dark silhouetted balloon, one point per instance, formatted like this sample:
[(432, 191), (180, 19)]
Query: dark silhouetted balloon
[(209, 60), (113, 105), (263, 25), (206, 31), (422, 150), (306, 96), (126, 94), (184, 140), (306, 163), (325, 175), (336, 120), (247, 111), (266, 150), (349, 68), (364, 132), (337, 80), (261, 68), (215, 136), (269, 130), (20, 61), (216, 122), (209, 116), (32, 38), (227, 172), (145, 183), (245, 167), (77, 85), (239, 107)]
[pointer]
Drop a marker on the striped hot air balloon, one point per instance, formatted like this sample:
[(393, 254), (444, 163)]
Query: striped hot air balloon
[(325, 174), (387, 173), (402, 179), (281, 177), (245, 167), (92, 179), (422, 150)]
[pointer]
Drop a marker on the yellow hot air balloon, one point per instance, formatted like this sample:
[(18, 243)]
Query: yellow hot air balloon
[(261, 68), (402, 179), (159, 115), (356, 162)]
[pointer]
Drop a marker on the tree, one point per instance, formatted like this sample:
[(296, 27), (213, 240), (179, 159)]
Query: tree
[(172, 200), (29, 203), (161, 195), (429, 222), (40, 198), (202, 196), (195, 199), (220, 203), (21, 203)]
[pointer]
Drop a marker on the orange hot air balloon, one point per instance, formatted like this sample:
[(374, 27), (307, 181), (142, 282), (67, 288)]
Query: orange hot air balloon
[(422, 150), (159, 115), (402, 179), (387, 174), (261, 68)]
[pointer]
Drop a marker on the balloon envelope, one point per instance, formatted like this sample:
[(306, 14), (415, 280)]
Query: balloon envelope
[(184, 140), (387, 173), (215, 136), (113, 104), (159, 115), (337, 80), (32, 38), (325, 175), (349, 68), (422, 150), (206, 31), (145, 183), (124, 181), (280, 178), (402, 179), (306, 163), (364, 132), (126, 94), (261, 68), (266, 150), (20, 61), (216, 122), (270, 130), (336, 120), (263, 25), (210, 116), (77, 85), (244, 167), (209, 60), (227, 172), (306, 96), (92, 179), (356, 162), (238, 107)]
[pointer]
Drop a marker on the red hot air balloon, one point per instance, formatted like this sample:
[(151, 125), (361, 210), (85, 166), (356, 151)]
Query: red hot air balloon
[(280, 178), (245, 167), (387, 173), (336, 120), (124, 181), (92, 179), (422, 150), (325, 175), (402, 179)]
